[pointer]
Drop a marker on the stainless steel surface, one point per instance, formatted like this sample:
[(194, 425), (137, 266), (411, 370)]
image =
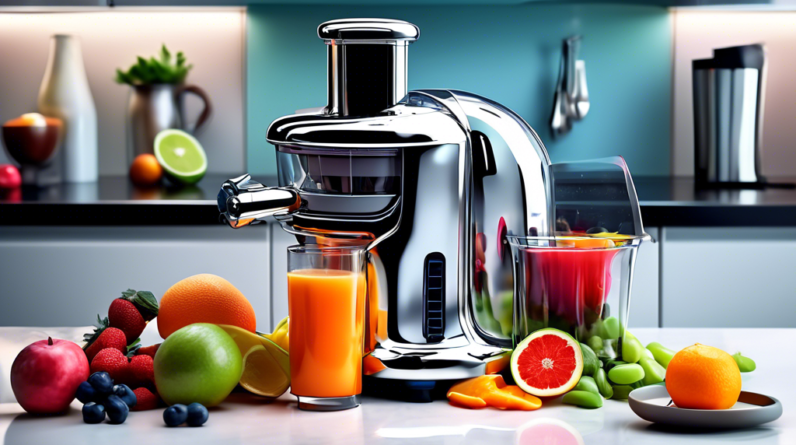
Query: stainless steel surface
[(366, 63), (571, 98), (431, 184), (368, 30), (242, 201), (728, 115), (154, 108)]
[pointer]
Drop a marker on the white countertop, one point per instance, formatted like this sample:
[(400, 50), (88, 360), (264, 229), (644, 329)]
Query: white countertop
[(246, 419)]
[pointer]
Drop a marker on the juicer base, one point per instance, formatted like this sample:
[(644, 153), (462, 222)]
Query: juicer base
[(327, 403)]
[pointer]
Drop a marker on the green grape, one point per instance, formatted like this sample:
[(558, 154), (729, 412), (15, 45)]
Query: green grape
[(583, 399), (587, 383), (626, 374), (662, 354), (653, 371)]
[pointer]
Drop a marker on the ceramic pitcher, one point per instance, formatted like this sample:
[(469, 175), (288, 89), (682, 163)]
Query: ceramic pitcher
[(153, 108), (65, 94)]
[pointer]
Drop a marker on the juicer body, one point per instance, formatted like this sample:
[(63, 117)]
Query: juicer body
[(430, 182), (440, 288)]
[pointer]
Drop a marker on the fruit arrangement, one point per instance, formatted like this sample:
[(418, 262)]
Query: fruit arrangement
[(114, 348), (550, 362), (197, 366), (101, 398), (709, 375)]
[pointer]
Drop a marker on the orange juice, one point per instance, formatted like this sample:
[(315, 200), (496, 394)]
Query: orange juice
[(326, 328)]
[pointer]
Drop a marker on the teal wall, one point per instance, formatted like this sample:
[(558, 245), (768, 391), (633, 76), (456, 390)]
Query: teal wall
[(507, 53)]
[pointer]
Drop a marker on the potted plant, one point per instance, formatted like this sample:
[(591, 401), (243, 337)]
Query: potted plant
[(156, 100)]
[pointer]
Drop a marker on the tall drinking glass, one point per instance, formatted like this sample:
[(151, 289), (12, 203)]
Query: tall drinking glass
[(326, 300)]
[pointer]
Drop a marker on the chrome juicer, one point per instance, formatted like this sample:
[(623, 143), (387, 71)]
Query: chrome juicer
[(430, 182)]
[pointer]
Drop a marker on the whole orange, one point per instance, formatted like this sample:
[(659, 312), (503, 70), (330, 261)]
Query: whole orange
[(703, 377), (145, 170), (204, 298)]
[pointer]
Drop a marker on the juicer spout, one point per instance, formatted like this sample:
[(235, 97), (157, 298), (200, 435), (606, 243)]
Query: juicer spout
[(242, 201)]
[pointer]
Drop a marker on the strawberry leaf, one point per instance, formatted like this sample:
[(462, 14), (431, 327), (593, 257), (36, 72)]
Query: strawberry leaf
[(132, 349), (98, 328), (144, 301)]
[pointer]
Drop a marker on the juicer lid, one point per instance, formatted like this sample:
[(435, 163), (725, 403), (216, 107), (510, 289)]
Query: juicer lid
[(402, 126), (368, 30)]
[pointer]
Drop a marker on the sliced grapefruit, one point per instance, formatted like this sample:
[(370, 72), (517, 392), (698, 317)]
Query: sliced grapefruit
[(547, 363)]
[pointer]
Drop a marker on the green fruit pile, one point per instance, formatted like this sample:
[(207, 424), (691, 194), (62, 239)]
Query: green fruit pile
[(606, 377)]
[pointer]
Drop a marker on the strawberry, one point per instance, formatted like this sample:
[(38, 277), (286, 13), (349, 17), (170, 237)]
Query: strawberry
[(114, 362), (104, 337), (145, 400), (124, 315), (132, 311), (148, 350), (142, 371)]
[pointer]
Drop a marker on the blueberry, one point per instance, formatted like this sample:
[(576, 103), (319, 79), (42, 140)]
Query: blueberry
[(126, 394), (117, 410), (197, 414), (175, 415), (102, 383), (86, 393), (93, 413)]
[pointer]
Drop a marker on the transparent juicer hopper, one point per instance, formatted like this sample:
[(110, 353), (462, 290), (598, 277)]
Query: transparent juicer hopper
[(579, 279)]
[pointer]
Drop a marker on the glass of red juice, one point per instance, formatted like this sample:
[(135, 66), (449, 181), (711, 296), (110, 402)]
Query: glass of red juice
[(578, 284)]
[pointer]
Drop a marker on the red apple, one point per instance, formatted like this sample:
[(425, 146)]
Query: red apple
[(9, 177), (46, 374)]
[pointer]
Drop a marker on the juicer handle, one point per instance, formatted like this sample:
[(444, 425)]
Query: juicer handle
[(242, 201)]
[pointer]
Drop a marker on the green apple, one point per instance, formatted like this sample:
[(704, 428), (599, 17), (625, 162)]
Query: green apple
[(198, 363)]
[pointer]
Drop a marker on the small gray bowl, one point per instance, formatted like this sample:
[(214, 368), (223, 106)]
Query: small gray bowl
[(651, 404)]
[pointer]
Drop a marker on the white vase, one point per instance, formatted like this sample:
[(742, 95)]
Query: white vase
[(65, 94)]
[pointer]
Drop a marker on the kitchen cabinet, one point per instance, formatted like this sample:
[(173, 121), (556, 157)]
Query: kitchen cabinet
[(760, 4), (718, 277), (67, 275), (644, 293)]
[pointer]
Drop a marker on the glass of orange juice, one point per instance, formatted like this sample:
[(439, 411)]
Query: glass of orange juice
[(326, 289)]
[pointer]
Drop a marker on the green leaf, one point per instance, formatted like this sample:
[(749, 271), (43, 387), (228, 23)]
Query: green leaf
[(99, 326), (132, 349), (162, 68), (144, 301), (165, 55)]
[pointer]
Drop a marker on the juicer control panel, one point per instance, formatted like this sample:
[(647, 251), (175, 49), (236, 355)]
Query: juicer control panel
[(434, 297)]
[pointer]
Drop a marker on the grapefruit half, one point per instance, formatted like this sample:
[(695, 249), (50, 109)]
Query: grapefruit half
[(547, 363)]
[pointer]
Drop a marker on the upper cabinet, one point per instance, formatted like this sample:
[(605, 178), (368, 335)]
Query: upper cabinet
[(764, 4)]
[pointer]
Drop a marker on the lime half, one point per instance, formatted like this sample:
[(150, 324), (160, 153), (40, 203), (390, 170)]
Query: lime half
[(181, 156)]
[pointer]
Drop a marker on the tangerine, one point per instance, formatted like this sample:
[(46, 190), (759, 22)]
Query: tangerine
[(703, 377), (145, 170), (204, 298)]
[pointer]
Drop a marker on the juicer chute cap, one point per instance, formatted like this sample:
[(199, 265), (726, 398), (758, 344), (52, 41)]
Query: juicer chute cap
[(368, 30)]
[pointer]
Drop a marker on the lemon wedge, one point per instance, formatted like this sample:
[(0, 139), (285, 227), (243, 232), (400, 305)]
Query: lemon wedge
[(262, 373), (266, 366)]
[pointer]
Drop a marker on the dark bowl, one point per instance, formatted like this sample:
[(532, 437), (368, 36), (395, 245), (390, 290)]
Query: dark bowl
[(29, 144)]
